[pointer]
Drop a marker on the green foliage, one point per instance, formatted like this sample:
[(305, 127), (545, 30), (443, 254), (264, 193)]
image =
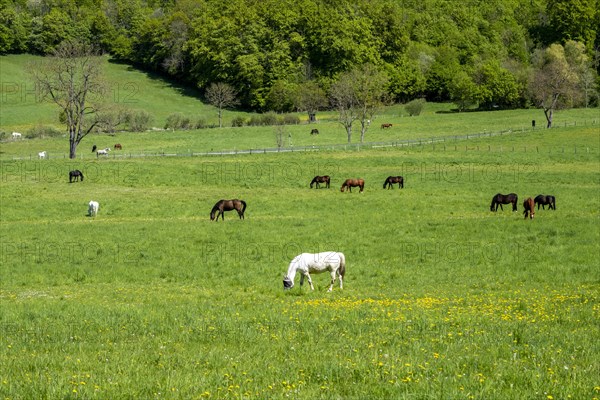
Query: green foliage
[(415, 107)]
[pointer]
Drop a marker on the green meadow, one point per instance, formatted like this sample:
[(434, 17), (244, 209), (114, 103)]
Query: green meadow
[(442, 298)]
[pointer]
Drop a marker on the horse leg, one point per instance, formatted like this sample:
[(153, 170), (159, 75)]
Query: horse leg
[(332, 281), (222, 214)]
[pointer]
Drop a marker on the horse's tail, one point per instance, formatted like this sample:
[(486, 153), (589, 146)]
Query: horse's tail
[(244, 206), (342, 269)]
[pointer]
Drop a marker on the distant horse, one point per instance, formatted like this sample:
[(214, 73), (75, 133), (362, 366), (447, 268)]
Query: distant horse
[(227, 205), (350, 183), (94, 148), (529, 206), (16, 135), (320, 179), (118, 146), (545, 200), (389, 182), (500, 199), (385, 126), (42, 155), (93, 208), (314, 131), (305, 263), (75, 175), (102, 152)]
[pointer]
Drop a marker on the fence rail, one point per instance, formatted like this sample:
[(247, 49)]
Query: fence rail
[(335, 147)]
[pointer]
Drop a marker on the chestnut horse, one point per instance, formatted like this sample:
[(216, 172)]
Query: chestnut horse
[(118, 146), (350, 183), (500, 199), (394, 179), (529, 206), (227, 205), (320, 179), (384, 126), (545, 200)]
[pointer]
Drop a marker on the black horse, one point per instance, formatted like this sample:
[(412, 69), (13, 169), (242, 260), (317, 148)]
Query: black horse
[(94, 148), (500, 199), (314, 131), (227, 205), (75, 175), (320, 179), (394, 179), (545, 200)]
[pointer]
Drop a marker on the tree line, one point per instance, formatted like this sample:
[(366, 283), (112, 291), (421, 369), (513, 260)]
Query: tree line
[(286, 55)]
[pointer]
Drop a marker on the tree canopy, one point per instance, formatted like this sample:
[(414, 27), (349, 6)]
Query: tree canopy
[(471, 51)]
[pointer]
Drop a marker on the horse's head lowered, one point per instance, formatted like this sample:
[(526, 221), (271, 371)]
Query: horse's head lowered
[(287, 283)]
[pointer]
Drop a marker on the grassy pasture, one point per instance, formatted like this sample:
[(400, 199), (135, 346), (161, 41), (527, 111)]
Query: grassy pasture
[(443, 298)]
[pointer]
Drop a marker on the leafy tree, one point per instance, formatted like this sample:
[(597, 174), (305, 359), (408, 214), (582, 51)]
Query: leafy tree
[(553, 81), (463, 91), (310, 98), (497, 87), (72, 79), (221, 95)]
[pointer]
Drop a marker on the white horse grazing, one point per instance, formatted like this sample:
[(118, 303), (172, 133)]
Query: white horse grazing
[(42, 154), (93, 208), (103, 152), (16, 135), (305, 263)]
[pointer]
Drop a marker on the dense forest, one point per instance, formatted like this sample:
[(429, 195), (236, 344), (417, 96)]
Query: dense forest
[(473, 52)]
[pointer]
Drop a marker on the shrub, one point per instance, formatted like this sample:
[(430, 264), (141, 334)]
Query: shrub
[(291, 119), (269, 118), (174, 121), (140, 121), (415, 107), (43, 131), (200, 123), (238, 121)]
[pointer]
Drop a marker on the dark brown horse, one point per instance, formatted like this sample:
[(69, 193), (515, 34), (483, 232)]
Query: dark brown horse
[(500, 199), (227, 205), (118, 146), (350, 183), (75, 175), (545, 200), (314, 131), (529, 206), (384, 126), (389, 182), (320, 179)]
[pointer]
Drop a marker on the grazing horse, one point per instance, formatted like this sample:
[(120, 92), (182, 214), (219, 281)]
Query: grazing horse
[(350, 183), (118, 146), (500, 199), (320, 179), (227, 205), (42, 155), (94, 148), (314, 131), (389, 182), (545, 200), (305, 263), (385, 126), (93, 207), (16, 135), (75, 175), (102, 152), (529, 206)]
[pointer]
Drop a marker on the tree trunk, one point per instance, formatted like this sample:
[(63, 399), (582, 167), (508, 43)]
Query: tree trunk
[(220, 117), (72, 145), (349, 132)]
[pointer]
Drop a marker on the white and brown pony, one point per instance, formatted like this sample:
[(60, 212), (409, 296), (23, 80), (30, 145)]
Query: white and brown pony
[(305, 263)]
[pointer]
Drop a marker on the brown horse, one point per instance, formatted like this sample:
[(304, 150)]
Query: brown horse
[(389, 182), (384, 126), (320, 179), (350, 183), (529, 206), (118, 146), (227, 205), (545, 200), (500, 199)]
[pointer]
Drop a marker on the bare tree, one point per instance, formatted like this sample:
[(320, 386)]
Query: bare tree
[(221, 95), (358, 95), (72, 78)]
